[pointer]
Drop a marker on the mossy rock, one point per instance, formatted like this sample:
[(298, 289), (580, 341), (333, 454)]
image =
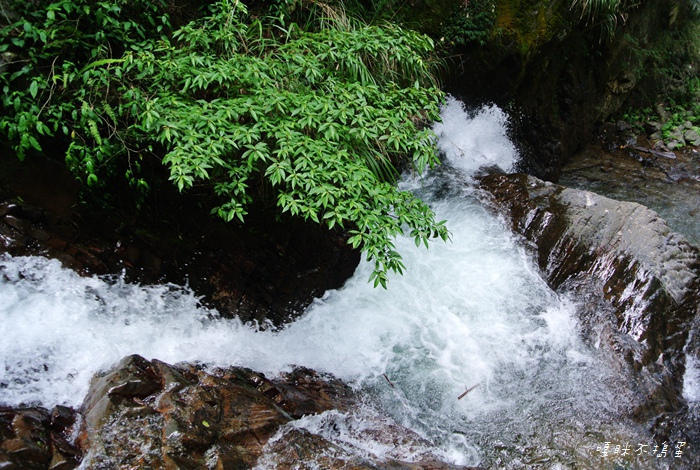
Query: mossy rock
[(523, 26)]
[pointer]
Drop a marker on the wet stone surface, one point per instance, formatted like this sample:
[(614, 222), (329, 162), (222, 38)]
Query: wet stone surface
[(301, 450), (637, 281), (667, 182), (225, 418), (36, 438)]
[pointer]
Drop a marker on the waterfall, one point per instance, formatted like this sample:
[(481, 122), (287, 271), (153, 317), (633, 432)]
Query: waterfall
[(471, 314)]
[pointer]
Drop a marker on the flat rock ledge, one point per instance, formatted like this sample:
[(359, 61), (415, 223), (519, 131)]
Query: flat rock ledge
[(153, 415), (639, 280)]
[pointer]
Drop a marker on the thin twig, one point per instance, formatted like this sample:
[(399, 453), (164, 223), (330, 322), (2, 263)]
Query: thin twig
[(52, 76), (387, 379), (5, 14), (467, 391)]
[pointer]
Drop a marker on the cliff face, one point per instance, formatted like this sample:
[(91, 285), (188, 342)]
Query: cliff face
[(560, 73)]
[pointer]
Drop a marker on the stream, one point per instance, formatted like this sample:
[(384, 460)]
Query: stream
[(470, 315)]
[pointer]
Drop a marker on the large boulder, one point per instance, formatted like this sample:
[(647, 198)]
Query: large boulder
[(639, 281), (667, 182), (149, 414)]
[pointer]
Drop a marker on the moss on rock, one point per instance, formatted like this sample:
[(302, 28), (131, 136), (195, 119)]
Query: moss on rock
[(523, 26)]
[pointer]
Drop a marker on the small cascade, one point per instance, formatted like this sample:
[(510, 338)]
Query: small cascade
[(469, 349)]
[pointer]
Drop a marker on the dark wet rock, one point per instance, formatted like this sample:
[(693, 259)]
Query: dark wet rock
[(35, 438), (600, 225), (185, 417), (651, 127), (691, 135), (304, 392), (268, 270), (658, 135), (225, 418), (670, 185), (640, 278)]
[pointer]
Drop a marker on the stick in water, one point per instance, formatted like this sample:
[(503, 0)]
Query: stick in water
[(387, 379), (465, 393)]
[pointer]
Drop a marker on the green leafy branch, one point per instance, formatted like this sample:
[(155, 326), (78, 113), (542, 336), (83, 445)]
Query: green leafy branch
[(318, 119)]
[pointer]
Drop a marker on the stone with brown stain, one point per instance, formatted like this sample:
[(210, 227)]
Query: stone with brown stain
[(188, 418), (35, 438)]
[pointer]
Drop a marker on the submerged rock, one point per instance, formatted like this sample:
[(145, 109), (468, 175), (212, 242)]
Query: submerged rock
[(149, 414), (640, 281), (299, 449)]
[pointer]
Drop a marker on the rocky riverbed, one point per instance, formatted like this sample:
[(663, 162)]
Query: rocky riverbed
[(637, 281), (149, 415), (641, 279)]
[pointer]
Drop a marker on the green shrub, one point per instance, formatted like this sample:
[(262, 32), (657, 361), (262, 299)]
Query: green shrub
[(50, 48), (470, 23), (608, 15), (317, 118), (604, 16)]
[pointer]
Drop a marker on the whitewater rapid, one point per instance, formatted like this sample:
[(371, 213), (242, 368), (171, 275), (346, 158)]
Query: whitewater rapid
[(472, 313)]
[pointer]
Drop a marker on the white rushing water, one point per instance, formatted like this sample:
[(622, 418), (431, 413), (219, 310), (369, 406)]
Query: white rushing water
[(469, 313), (691, 382)]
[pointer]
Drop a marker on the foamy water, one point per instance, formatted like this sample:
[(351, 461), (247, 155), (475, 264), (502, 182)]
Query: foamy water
[(484, 144), (691, 383), (470, 313)]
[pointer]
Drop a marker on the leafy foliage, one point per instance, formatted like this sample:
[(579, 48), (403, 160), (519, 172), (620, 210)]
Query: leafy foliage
[(604, 15), (68, 43), (470, 23), (681, 10), (667, 60), (316, 118), (609, 14)]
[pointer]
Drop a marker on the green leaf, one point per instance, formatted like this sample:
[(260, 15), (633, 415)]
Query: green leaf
[(244, 108), (33, 88), (99, 63)]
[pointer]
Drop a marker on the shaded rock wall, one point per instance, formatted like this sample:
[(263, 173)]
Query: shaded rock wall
[(267, 270), (641, 279), (556, 72)]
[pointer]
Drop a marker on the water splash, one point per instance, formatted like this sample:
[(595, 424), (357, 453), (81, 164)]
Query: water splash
[(477, 139), (691, 381)]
